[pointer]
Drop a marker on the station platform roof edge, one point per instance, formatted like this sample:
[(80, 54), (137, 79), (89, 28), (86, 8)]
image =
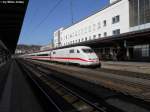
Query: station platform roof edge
[(11, 20)]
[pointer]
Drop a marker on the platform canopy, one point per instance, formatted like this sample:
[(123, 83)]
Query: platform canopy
[(132, 38), (12, 13)]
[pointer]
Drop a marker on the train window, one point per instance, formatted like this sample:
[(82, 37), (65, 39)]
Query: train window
[(87, 50), (78, 51), (71, 51), (46, 54), (42, 54), (54, 52)]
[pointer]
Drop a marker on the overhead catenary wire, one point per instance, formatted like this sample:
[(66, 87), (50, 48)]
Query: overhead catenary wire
[(34, 14), (46, 17), (71, 10)]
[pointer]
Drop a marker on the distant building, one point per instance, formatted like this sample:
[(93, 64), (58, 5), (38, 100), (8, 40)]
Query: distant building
[(18, 51), (120, 16), (46, 47), (57, 41), (22, 49)]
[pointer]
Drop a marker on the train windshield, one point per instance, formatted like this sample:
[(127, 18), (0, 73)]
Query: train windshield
[(87, 50)]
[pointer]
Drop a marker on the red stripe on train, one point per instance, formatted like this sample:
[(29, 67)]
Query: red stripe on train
[(65, 58)]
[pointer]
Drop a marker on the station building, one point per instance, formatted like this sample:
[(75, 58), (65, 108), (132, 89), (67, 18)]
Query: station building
[(117, 31)]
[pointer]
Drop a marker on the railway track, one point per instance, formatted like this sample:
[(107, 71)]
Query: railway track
[(137, 87), (117, 72), (75, 97), (77, 102)]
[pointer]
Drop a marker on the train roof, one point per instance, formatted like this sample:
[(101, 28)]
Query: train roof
[(59, 48)]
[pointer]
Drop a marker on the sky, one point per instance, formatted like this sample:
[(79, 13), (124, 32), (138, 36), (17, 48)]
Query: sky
[(42, 19)]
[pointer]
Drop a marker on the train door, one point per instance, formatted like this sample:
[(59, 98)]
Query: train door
[(79, 57), (50, 55), (71, 56)]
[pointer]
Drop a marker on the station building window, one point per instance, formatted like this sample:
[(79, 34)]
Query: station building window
[(89, 28), (81, 31), (73, 34), (85, 29), (145, 50), (141, 51), (85, 38), (94, 27), (141, 15), (105, 34), (98, 25), (94, 36), (104, 23), (89, 37), (67, 36), (78, 32), (115, 19), (116, 32), (99, 35), (82, 39)]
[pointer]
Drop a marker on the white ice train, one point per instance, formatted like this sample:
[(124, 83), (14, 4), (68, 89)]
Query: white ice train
[(80, 55)]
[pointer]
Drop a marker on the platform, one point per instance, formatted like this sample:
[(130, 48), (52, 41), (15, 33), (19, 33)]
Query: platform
[(16, 94), (139, 67)]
